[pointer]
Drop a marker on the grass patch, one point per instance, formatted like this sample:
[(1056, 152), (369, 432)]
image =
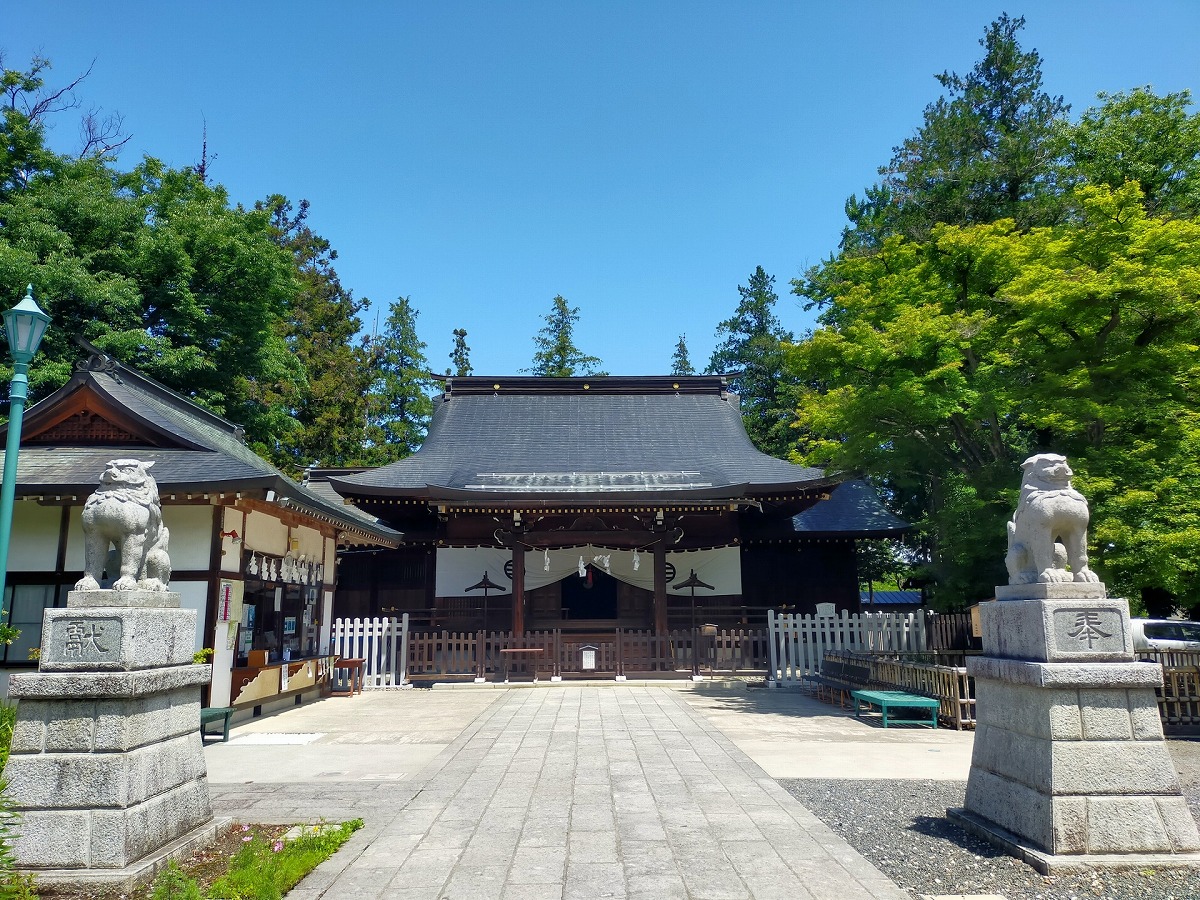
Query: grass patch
[(250, 862), (267, 869)]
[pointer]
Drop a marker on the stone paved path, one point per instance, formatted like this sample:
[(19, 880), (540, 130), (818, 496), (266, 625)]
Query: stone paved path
[(581, 793)]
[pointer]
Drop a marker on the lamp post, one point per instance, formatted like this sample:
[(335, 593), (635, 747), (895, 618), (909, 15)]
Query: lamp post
[(692, 583), (25, 324), (485, 585)]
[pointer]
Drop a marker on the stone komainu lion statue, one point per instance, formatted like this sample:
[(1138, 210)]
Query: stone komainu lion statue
[(125, 512), (1049, 529)]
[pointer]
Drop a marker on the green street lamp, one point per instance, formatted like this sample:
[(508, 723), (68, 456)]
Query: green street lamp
[(25, 324)]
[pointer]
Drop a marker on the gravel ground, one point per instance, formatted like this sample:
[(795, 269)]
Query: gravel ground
[(901, 827)]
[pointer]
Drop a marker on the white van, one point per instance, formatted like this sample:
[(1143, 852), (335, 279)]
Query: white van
[(1165, 634)]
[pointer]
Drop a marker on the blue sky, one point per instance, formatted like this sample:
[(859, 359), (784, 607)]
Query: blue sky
[(639, 158)]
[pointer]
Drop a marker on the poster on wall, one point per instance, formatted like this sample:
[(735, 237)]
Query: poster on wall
[(289, 624), (229, 601)]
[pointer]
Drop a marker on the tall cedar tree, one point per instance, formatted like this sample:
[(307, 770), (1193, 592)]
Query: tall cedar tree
[(987, 150), (320, 330), (681, 362), (399, 405), (460, 355), (753, 345), (556, 355)]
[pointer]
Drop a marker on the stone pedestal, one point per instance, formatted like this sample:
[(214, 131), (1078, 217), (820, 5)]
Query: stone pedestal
[(1070, 769), (107, 764)]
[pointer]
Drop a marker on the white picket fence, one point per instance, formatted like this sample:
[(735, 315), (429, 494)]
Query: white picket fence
[(799, 643), (381, 643)]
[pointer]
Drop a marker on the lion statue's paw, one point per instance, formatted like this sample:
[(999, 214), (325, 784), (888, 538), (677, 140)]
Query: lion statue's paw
[(1087, 575), (1054, 576), (125, 583), (87, 583)]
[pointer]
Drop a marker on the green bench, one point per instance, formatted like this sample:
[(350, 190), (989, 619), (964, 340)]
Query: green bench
[(213, 714), (887, 700), (837, 679)]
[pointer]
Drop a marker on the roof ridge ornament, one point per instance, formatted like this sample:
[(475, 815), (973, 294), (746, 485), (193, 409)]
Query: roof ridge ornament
[(101, 362)]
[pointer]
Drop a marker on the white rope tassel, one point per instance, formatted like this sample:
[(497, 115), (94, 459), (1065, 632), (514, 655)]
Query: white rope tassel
[(582, 568), (637, 561), (604, 561), (546, 561)]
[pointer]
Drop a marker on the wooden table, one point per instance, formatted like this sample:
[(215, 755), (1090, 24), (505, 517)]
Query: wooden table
[(355, 668), (899, 699)]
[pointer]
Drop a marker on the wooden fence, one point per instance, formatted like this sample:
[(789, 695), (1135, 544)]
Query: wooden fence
[(1179, 697), (498, 654), (798, 643)]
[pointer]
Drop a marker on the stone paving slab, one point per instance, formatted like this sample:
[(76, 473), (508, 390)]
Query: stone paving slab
[(575, 793)]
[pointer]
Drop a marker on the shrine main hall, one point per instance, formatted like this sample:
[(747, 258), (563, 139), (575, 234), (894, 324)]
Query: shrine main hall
[(594, 503)]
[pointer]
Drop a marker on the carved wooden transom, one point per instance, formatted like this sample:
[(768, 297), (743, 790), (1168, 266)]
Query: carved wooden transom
[(84, 427)]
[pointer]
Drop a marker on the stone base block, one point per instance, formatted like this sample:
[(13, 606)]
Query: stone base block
[(138, 684), (65, 781), (1062, 630), (1056, 864), (139, 599), (105, 639), (1083, 823), (1069, 757), (110, 838)]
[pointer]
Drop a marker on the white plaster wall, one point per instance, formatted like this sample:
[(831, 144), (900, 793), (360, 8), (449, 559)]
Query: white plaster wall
[(34, 543), (326, 634), (265, 534), (231, 550), (74, 558), (191, 536), (190, 544), (312, 545), (330, 562), (194, 595)]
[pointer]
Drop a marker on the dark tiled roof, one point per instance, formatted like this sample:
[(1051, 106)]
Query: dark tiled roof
[(203, 452), (853, 508), (602, 437)]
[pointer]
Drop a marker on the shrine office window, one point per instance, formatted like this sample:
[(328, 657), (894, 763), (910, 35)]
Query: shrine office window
[(23, 607)]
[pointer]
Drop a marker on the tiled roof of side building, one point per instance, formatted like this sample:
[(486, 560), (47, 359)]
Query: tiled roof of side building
[(853, 509), (598, 436), (204, 454)]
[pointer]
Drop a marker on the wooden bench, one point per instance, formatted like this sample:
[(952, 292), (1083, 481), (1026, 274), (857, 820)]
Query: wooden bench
[(838, 677), (886, 700), (213, 714)]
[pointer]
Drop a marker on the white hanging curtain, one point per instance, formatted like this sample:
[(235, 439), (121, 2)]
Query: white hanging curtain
[(459, 568)]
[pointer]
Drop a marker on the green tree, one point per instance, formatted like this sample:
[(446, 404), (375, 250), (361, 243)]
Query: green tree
[(940, 366), (461, 354), (320, 329), (752, 343), (681, 362), (399, 406), (987, 150), (557, 356), (1145, 138)]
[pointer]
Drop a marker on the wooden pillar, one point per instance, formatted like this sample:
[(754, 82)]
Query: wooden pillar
[(660, 588), (518, 589)]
